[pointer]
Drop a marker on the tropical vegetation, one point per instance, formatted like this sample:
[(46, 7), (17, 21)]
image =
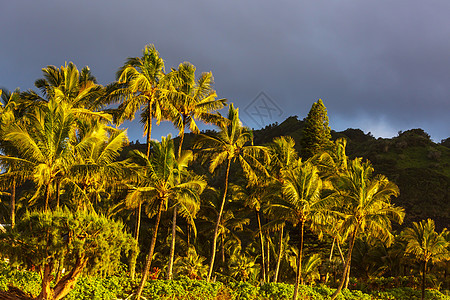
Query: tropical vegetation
[(278, 213)]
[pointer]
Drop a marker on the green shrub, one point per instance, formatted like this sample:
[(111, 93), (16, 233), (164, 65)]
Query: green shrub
[(29, 282), (241, 290), (407, 293), (275, 290)]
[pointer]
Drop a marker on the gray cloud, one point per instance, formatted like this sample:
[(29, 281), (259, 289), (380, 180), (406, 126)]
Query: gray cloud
[(381, 65)]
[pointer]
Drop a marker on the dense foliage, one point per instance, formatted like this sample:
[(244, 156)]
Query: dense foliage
[(279, 213)]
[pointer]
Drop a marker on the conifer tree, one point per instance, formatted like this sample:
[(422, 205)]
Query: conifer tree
[(316, 133)]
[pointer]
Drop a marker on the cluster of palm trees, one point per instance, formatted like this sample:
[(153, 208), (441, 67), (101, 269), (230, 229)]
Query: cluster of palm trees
[(61, 149)]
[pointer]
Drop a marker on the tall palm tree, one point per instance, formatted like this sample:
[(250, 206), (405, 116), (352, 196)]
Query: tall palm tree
[(283, 157), (11, 111), (44, 144), (301, 189), (190, 99), (254, 196), (186, 207), (163, 179), (138, 88), (77, 89), (96, 169), (233, 143), (233, 219), (425, 244), (365, 207)]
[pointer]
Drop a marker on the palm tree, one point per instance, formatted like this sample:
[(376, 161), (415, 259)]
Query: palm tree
[(77, 89), (138, 86), (184, 206), (96, 169), (310, 266), (229, 145), (283, 157), (44, 144), (302, 193), (233, 219), (254, 196), (191, 265), (364, 203), (11, 110), (425, 244), (242, 266), (163, 179), (190, 99)]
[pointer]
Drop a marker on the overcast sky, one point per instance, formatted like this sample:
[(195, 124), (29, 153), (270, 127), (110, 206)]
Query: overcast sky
[(378, 65)]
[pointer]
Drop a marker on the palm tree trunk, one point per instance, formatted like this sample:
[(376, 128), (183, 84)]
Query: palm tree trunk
[(280, 255), (136, 237), (262, 247), (150, 253), (268, 260), (149, 127), (47, 196), (172, 245), (58, 185), (223, 249), (216, 229), (332, 249), (423, 278), (346, 267), (13, 203), (181, 135), (188, 237), (174, 219), (340, 253), (299, 263)]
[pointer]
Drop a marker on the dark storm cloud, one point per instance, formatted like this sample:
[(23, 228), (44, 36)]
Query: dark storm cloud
[(382, 65)]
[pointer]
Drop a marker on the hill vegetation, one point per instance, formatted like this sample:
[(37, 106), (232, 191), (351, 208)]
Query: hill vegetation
[(419, 166)]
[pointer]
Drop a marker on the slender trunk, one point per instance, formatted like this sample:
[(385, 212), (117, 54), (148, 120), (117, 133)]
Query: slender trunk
[(174, 218), (347, 279), (149, 126), (262, 247), (223, 249), (47, 196), (423, 278), (332, 249), (172, 245), (188, 237), (13, 203), (268, 260), (58, 185), (181, 134), (347, 266), (136, 237), (280, 255), (216, 229), (299, 263), (150, 252), (340, 253)]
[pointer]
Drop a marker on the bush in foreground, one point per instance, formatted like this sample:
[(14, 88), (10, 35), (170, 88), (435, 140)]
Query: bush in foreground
[(121, 287)]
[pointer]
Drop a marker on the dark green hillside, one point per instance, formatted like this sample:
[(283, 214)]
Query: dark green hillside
[(420, 167)]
